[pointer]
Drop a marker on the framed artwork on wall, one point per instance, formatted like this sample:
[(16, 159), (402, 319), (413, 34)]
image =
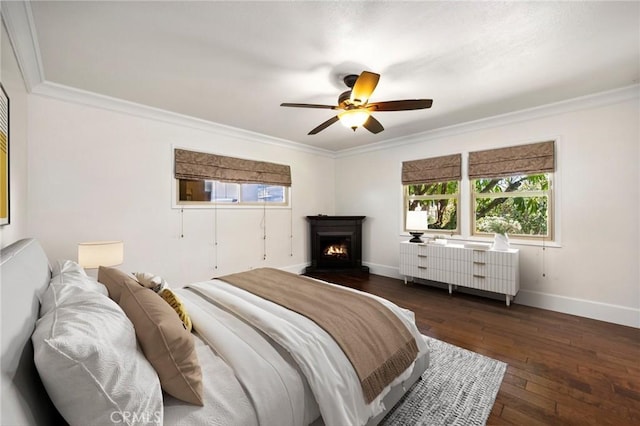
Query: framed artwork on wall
[(4, 157)]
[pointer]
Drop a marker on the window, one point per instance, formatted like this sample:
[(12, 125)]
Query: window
[(431, 186), (521, 205), (511, 190), (203, 192), (210, 179), (439, 199)]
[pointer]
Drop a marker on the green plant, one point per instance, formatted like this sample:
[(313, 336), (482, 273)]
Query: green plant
[(498, 225), (526, 201)]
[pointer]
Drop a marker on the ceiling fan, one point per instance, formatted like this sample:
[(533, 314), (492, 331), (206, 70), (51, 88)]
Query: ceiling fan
[(355, 106)]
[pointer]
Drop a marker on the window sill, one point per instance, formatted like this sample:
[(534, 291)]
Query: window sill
[(230, 206), (517, 242)]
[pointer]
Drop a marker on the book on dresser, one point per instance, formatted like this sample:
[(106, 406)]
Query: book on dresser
[(462, 265)]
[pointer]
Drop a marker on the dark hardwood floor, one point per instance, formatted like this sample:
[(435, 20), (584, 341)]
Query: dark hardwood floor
[(562, 369)]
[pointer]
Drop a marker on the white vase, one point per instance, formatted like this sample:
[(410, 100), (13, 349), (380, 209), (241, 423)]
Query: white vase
[(500, 242)]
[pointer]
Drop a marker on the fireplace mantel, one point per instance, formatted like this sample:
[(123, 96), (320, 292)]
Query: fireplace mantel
[(345, 229), (322, 217)]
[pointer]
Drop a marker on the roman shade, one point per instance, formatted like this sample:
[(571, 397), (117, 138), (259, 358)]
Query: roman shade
[(202, 166), (527, 159), (430, 170)]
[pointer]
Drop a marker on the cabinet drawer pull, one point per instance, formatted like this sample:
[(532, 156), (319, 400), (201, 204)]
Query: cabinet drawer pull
[(479, 263), (478, 276), (422, 255), (422, 267)]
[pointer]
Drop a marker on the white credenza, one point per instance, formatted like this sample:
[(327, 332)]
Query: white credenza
[(458, 265)]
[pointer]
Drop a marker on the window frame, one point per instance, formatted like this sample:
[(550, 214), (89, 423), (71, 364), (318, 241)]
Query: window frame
[(408, 198), (549, 193)]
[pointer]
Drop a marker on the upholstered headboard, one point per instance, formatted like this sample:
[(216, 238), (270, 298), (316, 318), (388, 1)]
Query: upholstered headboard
[(24, 273)]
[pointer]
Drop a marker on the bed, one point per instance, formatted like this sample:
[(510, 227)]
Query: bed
[(249, 373)]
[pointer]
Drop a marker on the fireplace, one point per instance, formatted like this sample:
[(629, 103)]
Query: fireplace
[(336, 243)]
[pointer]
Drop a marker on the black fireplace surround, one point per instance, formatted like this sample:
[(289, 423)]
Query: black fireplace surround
[(336, 244)]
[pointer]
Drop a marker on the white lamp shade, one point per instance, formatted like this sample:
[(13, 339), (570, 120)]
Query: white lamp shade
[(91, 255), (417, 220)]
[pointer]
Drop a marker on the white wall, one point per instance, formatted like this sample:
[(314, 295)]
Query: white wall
[(14, 86), (96, 174), (594, 271)]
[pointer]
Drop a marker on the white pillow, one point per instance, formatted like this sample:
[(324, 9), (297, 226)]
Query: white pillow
[(70, 273), (86, 352)]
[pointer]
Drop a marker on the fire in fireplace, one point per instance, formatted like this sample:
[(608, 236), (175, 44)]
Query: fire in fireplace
[(334, 249), (336, 243), (337, 251)]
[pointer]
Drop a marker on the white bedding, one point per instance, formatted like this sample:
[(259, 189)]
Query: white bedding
[(254, 337), (225, 402)]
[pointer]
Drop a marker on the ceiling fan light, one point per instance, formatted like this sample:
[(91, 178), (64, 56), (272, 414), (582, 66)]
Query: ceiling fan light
[(353, 118)]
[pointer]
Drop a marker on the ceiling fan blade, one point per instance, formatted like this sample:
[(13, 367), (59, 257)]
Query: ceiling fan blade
[(324, 125), (364, 87), (403, 105), (373, 125), (308, 106)]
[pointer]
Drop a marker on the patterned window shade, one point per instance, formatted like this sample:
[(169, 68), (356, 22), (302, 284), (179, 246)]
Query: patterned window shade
[(516, 160), (200, 166), (430, 170)]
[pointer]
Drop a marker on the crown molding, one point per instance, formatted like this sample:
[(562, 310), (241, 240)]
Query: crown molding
[(83, 97), (18, 20), (608, 97)]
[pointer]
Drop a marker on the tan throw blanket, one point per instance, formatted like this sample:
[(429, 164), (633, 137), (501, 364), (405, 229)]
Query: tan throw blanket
[(373, 338)]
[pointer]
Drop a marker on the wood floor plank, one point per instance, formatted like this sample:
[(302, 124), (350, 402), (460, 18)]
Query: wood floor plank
[(517, 417), (591, 406), (562, 369)]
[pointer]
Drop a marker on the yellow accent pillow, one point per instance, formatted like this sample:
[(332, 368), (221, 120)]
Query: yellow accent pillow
[(172, 299)]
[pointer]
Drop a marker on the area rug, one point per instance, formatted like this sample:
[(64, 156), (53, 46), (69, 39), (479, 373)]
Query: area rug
[(458, 388)]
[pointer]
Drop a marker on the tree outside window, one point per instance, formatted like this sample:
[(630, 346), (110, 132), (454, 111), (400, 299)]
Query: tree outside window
[(523, 202), (439, 199)]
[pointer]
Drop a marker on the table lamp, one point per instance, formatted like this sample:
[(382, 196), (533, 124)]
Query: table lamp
[(417, 223), (92, 255)]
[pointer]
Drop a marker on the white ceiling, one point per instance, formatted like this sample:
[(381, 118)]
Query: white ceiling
[(234, 62)]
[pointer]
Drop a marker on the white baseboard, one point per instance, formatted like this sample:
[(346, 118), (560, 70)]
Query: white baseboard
[(296, 269), (384, 270), (616, 314)]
